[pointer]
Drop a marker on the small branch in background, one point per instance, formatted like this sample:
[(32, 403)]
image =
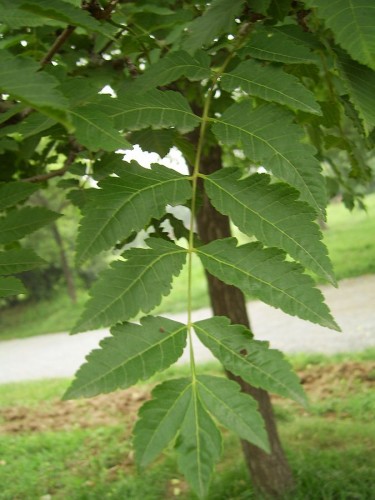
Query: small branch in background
[(55, 173), (60, 40)]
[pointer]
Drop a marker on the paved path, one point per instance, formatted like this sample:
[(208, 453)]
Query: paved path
[(352, 304)]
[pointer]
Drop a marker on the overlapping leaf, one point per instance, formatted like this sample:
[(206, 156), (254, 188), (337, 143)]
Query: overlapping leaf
[(171, 67), (13, 15), (20, 77), (127, 203), (138, 284), (218, 18), (198, 447), (18, 260), (238, 412), (353, 24), (360, 83), (95, 130), (133, 352), (270, 83), (18, 223), (269, 137), (12, 193), (11, 286), (160, 419), (33, 125), (250, 359), (157, 109), (272, 213), (61, 10), (273, 45), (264, 273)]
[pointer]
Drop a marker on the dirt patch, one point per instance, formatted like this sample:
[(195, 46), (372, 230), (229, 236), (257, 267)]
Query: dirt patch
[(320, 382), (106, 409)]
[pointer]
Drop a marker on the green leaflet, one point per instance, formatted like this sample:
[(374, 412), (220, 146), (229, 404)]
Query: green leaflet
[(157, 109), (67, 13), (170, 68), (11, 286), (133, 352), (13, 15), (18, 260), (260, 6), (353, 24), (264, 273), (250, 359), (268, 136), (233, 409), (160, 419), (270, 83), (272, 213), (360, 84), (95, 130), (18, 223), (20, 77), (12, 193), (217, 19), (276, 46), (34, 124), (198, 446), (127, 203), (155, 141), (132, 286)]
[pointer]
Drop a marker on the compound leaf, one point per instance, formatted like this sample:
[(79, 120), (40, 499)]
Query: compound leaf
[(170, 68), (198, 446), (67, 13), (263, 272), (359, 81), (95, 130), (130, 286), (12, 193), (20, 77), (160, 419), (250, 359), (11, 286), (18, 223), (218, 18), (18, 260), (155, 108), (270, 83), (273, 214), (353, 24), (268, 136), (274, 45), (127, 203), (238, 412), (133, 352)]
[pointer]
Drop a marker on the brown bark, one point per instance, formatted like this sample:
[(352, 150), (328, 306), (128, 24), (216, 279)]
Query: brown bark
[(270, 473)]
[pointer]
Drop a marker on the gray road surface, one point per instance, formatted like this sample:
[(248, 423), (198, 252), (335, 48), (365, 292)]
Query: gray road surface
[(352, 304)]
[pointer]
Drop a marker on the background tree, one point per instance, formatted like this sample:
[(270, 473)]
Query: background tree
[(279, 84)]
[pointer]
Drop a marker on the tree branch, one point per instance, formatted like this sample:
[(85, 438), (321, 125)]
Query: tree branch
[(55, 173), (60, 40)]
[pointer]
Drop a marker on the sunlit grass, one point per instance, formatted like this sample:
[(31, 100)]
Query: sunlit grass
[(330, 449)]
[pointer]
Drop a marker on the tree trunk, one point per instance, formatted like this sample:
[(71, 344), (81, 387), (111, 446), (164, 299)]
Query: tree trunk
[(270, 473), (68, 275)]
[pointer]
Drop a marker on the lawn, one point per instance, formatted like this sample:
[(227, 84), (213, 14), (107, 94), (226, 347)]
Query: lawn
[(349, 237), (82, 449)]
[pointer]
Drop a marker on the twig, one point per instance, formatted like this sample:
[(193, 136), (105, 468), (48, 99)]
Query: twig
[(60, 40), (55, 173)]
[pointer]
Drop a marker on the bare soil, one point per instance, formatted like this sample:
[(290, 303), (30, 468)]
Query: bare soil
[(320, 382)]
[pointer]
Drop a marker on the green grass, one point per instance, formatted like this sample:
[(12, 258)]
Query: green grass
[(330, 449), (349, 238)]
